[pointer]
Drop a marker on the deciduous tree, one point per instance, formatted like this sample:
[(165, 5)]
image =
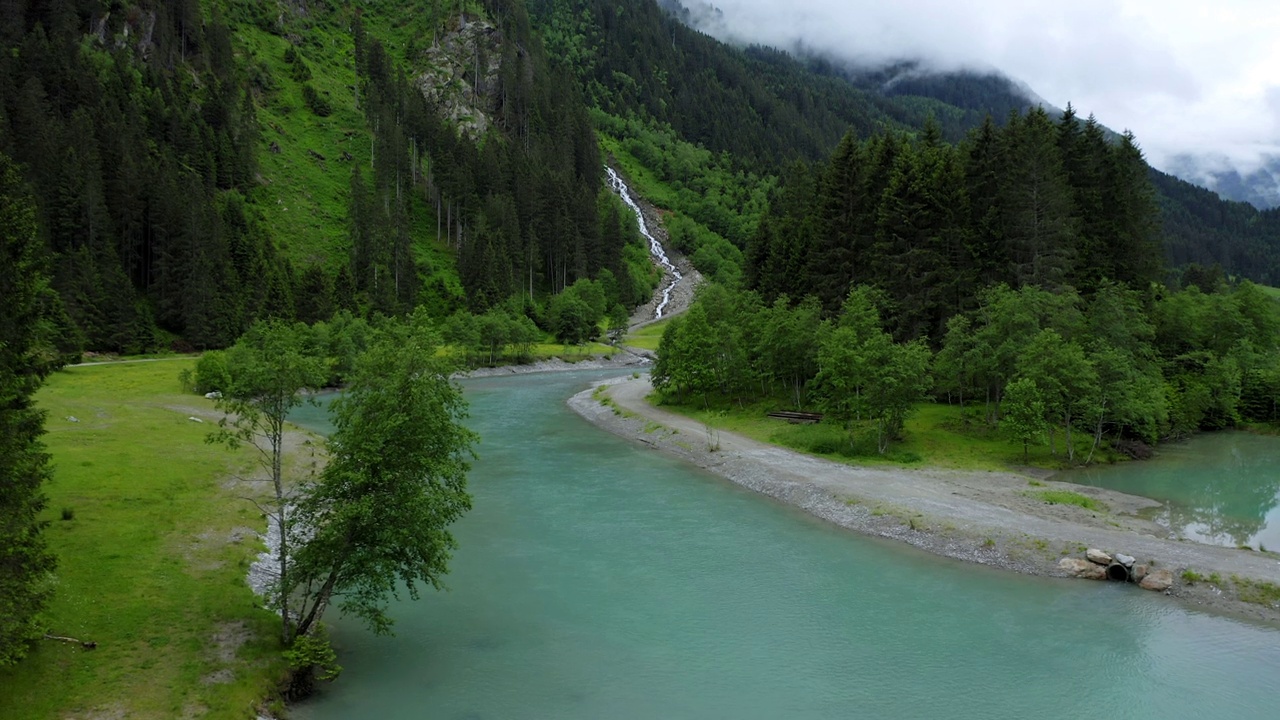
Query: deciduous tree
[(377, 520), (268, 370)]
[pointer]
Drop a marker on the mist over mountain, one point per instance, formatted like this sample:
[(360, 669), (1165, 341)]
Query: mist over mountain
[(1256, 184), (969, 86), (1193, 87)]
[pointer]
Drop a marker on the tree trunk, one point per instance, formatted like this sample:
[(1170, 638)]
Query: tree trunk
[(322, 599), (1097, 440), (1071, 449), (282, 524)]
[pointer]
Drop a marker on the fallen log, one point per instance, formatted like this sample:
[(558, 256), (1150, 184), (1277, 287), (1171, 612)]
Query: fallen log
[(86, 644), (796, 417)]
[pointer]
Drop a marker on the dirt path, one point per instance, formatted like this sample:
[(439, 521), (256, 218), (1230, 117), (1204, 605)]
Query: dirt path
[(130, 362), (982, 517)]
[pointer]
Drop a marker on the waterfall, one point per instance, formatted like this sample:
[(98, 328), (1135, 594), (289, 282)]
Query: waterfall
[(655, 247)]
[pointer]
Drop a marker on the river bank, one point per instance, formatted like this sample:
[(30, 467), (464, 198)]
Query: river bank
[(620, 360), (980, 517), (153, 534)]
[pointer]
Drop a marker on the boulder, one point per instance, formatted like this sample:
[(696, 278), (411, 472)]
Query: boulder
[(1097, 556), (1124, 560), (1139, 572), (1159, 581), (1075, 567)]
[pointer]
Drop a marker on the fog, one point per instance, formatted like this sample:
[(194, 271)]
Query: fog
[(1187, 77)]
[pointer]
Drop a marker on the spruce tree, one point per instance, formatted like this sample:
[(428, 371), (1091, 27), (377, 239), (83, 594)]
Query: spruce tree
[(25, 562), (1040, 233)]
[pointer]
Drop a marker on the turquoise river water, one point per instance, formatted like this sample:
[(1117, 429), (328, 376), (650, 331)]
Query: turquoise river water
[(598, 579), (1221, 488)]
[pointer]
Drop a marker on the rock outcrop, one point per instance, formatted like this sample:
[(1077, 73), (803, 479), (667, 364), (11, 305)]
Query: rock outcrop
[(1159, 581), (1075, 567), (1100, 565)]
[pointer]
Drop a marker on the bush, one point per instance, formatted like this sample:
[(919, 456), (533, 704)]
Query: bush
[(318, 104), (311, 658), (1065, 497), (212, 374)]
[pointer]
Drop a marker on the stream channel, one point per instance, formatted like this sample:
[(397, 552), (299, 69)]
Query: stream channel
[(596, 578)]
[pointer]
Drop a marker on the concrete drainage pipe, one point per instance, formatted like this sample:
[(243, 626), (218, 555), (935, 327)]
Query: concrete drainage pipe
[(1119, 573)]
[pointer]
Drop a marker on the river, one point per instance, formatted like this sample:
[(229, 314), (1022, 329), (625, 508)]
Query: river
[(598, 579), (1221, 488)]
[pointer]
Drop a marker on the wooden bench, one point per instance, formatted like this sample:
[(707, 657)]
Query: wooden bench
[(803, 418)]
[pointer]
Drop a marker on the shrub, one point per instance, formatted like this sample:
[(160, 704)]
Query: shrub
[(212, 374), (1063, 497), (314, 100)]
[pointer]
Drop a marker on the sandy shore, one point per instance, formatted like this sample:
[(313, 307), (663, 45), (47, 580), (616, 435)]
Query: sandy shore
[(980, 517)]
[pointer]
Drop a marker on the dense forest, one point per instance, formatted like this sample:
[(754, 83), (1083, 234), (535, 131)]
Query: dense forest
[(1018, 272), (660, 85), (138, 128), (197, 166), (1039, 203)]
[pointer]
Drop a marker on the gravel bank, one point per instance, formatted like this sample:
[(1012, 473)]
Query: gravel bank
[(979, 517), (624, 358)]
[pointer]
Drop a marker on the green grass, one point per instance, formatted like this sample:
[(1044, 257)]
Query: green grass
[(306, 161), (148, 567), (1258, 592), (1066, 497), (647, 337), (304, 199), (571, 353), (935, 435)]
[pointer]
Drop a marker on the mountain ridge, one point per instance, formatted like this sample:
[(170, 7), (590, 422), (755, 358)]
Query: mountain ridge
[(1256, 183)]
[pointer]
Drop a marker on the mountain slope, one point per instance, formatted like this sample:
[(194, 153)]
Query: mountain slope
[(767, 108), (199, 165), (1259, 187)]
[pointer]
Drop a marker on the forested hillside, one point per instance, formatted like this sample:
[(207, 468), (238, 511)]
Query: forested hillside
[(1014, 277), (756, 110), (1040, 203), (197, 166)]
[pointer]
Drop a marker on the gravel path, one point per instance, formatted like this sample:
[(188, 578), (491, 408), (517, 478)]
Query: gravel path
[(981, 517)]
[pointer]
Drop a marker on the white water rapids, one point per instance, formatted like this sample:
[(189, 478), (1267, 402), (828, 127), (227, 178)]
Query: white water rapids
[(655, 247)]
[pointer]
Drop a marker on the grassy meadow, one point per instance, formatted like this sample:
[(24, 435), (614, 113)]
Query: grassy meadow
[(647, 337), (936, 435), (152, 559)]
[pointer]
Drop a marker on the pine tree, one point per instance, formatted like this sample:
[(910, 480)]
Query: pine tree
[(25, 562), (842, 237), (1128, 201), (1039, 229)]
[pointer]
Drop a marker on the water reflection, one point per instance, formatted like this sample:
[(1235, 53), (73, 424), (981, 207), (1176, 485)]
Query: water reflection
[(1221, 488)]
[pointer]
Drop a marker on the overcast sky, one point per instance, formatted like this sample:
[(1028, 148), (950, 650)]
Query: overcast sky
[(1187, 76)]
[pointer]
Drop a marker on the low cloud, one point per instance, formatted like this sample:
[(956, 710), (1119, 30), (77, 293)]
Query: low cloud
[(1187, 77)]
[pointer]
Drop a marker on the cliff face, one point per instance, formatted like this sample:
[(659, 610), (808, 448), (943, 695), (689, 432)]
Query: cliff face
[(460, 74)]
